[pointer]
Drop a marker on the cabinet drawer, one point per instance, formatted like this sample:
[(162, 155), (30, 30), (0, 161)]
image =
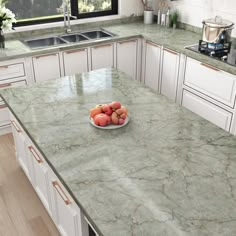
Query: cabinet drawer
[(210, 81), (4, 115), (207, 110), (12, 83), (10, 71)]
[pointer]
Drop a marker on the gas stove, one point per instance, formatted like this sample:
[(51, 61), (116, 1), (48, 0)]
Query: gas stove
[(223, 52)]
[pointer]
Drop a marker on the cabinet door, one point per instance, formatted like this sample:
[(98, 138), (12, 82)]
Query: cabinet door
[(46, 67), (20, 147), (207, 110), (152, 65), (102, 56), (75, 61), (65, 212), (211, 81), (126, 57), (40, 175), (169, 73), (4, 115)]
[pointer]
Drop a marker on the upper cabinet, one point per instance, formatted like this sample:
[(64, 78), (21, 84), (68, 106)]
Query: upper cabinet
[(152, 65), (126, 57), (102, 56), (169, 73), (46, 67), (75, 61)]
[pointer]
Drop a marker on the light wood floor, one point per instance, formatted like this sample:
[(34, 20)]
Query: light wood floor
[(21, 211)]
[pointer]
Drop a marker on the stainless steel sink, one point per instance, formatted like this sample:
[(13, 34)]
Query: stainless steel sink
[(74, 38), (44, 42), (97, 34)]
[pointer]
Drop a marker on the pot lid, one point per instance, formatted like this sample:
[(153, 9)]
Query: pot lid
[(218, 22)]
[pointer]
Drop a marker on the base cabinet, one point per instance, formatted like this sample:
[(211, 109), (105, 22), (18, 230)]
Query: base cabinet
[(152, 66), (126, 57), (207, 110), (46, 67), (63, 210), (75, 61), (169, 73), (102, 56), (40, 174)]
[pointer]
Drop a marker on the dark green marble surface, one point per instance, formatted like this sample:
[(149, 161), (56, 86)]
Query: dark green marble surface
[(175, 39), (168, 172)]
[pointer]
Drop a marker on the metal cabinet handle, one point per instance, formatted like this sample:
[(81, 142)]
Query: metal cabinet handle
[(210, 67), (3, 67), (102, 46), (153, 44), (128, 41), (35, 155), (60, 191), (167, 50), (47, 55), (5, 85), (74, 51), (3, 106), (18, 130)]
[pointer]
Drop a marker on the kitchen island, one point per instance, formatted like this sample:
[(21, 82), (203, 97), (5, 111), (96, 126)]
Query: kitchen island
[(168, 172)]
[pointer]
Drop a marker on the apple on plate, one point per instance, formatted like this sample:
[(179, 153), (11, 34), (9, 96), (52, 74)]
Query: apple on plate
[(118, 117), (102, 119)]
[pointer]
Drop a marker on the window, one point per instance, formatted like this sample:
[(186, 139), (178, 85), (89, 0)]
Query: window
[(44, 11)]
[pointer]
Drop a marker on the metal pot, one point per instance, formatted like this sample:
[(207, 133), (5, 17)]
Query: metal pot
[(217, 30)]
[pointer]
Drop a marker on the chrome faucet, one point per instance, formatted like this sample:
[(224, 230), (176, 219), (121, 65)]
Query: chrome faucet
[(65, 9)]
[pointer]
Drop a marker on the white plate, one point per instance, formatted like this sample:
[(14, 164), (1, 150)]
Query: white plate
[(111, 126)]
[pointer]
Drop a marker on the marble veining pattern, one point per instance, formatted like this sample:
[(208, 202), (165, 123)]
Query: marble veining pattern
[(175, 39), (168, 172)]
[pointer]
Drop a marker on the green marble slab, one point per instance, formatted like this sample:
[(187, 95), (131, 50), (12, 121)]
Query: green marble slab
[(168, 172)]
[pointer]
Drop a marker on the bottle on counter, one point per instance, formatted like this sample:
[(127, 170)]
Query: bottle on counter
[(159, 17), (168, 18)]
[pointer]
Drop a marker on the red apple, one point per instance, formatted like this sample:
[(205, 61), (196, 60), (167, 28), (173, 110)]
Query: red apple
[(107, 109), (118, 117), (94, 111), (115, 105), (102, 119)]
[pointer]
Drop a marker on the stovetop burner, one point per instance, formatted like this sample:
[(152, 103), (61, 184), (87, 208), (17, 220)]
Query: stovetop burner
[(214, 49), (223, 52)]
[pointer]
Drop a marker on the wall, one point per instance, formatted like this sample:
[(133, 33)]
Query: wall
[(194, 11), (130, 7)]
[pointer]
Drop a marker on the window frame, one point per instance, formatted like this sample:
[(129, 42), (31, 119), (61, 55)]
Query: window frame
[(74, 12)]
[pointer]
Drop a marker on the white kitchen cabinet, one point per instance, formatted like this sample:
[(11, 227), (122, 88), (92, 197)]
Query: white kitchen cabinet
[(66, 213), (169, 73), (46, 67), (21, 147), (12, 74), (210, 81), (40, 175), (207, 110), (152, 66), (102, 56), (75, 61), (126, 57), (4, 116)]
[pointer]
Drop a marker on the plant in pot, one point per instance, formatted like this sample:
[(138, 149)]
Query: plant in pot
[(148, 11), (7, 18), (174, 18)]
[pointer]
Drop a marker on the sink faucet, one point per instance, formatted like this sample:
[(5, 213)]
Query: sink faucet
[(65, 9)]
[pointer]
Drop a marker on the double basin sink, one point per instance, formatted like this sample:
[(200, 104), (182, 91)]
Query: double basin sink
[(49, 41)]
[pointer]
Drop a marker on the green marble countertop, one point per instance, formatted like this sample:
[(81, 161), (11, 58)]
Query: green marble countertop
[(168, 172), (175, 39)]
